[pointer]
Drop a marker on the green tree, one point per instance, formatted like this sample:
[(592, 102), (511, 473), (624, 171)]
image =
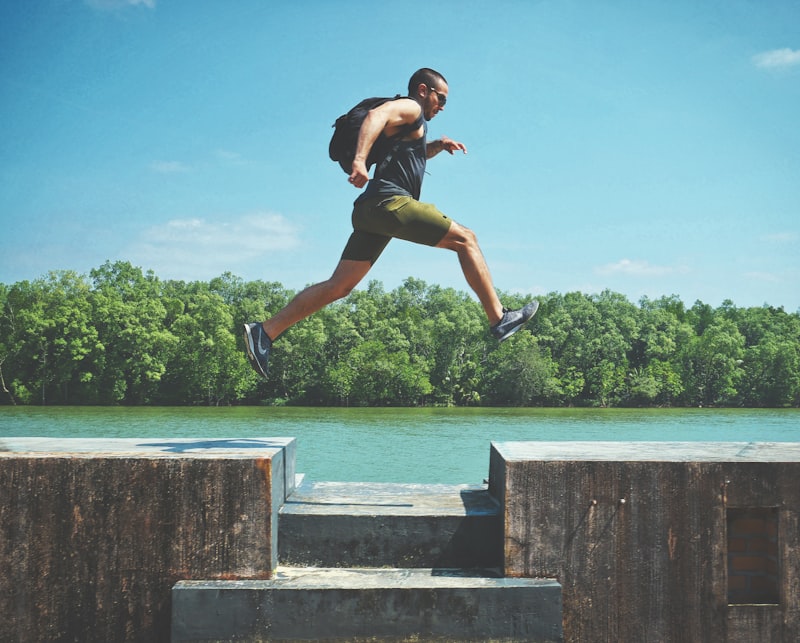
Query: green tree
[(771, 373), (712, 364), (519, 374), (381, 377), (207, 367), (51, 337), (655, 357), (297, 370), (452, 336), (8, 343), (563, 342), (132, 322), (589, 338)]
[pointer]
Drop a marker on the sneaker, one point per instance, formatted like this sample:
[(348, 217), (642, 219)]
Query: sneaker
[(257, 343), (513, 320)]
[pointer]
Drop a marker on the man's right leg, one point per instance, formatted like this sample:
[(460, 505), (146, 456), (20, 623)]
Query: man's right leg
[(462, 240), (503, 323), (258, 337)]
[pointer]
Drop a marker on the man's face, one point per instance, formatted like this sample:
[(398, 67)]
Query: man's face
[(434, 100)]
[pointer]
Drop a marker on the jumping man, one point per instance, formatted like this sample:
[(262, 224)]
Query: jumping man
[(390, 208)]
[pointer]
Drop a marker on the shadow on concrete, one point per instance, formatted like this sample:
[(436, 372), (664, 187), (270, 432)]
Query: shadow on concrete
[(177, 446)]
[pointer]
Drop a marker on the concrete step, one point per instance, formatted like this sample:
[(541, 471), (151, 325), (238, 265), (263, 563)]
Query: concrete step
[(368, 604), (336, 524)]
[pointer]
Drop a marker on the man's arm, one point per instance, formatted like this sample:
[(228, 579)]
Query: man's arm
[(388, 119), (444, 144)]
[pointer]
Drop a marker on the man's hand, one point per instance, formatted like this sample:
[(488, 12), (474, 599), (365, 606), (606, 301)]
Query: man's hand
[(450, 146), (444, 144), (359, 176)]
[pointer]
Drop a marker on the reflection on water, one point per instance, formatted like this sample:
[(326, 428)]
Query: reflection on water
[(403, 445)]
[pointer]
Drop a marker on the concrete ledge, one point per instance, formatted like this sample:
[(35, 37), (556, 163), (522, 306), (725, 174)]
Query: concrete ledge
[(335, 524), (386, 498), (359, 604), (650, 451), (637, 534), (94, 533)]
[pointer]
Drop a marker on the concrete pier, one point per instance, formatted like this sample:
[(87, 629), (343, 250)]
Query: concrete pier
[(218, 540), (94, 533)]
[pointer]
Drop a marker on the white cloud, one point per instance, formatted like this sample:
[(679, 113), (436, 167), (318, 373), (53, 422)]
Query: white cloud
[(120, 4), (169, 167), (251, 234), (637, 268), (230, 157), (198, 249), (781, 237), (777, 58), (763, 276)]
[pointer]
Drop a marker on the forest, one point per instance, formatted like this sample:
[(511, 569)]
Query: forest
[(121, 336)]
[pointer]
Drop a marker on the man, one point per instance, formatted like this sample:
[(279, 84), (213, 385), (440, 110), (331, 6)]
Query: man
[(390, 208)]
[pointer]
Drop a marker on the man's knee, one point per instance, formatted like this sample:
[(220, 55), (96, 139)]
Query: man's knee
[(470, 238), (459, 237), (346, 277), (340, 289)]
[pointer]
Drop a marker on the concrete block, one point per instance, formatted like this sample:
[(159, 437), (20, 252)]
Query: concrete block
[(636, 534), (332, 524), (368, 604), (94, 533)]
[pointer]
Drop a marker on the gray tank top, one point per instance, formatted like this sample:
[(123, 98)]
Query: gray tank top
[(400, 173)]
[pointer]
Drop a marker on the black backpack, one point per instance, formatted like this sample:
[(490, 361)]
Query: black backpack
[(344, 141)]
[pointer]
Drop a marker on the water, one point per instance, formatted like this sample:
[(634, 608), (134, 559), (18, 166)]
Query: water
[(449, 446)]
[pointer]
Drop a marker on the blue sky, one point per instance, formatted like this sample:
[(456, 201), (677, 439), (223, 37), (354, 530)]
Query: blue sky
[(649, 148)]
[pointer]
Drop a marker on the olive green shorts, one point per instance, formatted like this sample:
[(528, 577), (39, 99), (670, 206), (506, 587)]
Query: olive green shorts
[(378, 221)]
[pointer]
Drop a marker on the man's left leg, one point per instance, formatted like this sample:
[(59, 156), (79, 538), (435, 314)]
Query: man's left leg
[(347, 275), (258, 336)]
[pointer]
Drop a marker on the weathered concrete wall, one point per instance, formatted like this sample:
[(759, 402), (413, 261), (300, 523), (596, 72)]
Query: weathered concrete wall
[(636, 534), (94, 533)]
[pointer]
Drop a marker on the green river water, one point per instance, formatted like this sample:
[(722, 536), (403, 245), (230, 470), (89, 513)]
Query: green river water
[(428, 445)]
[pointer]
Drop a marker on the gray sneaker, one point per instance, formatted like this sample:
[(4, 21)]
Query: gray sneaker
[(258, 344), (513, 320)]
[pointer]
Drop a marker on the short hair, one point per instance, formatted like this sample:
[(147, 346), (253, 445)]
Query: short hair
[(426, 76)]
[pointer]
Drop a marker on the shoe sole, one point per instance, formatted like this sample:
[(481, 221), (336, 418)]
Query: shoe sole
[(520, 325), (250, 348)]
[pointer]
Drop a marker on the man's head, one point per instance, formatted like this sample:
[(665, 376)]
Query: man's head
[(429, 88)]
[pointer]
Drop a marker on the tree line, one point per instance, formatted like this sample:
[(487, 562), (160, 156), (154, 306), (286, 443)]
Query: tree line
[(120, 336)]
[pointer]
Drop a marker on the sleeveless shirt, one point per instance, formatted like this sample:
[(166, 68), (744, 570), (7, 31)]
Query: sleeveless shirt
[(402, 173)]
